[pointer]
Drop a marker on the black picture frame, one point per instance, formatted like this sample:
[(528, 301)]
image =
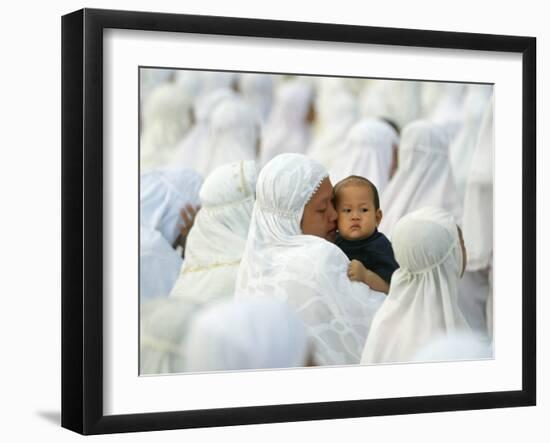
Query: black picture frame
[(82, 220)]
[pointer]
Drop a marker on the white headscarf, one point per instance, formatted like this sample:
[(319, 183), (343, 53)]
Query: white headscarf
[(395, 100), (307, 272), (232, 136), (463, 146), (476, 288), (286, 129), (336, 113), (166, 118), (217, 239), (423, 177), (256, 334), (257, 90), (368, 152), (159, 265), (422, 302), (478, 201), (186, 152), (163, 192)]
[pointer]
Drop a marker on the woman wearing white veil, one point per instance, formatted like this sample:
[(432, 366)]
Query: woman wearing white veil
[(423, 177), (287, 129), (287, 257), (368, 152), (476, 293), (185, 153), (336, 112), (422, 303), (163, 194), (233, 135), (217, 239)]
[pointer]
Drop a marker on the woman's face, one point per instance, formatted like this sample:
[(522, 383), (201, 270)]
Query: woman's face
[(319, 216)]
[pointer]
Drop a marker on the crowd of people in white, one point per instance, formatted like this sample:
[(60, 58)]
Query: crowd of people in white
[(241, 266)]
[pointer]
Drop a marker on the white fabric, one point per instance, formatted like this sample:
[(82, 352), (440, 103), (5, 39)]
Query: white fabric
[(232, 136), (257, 334), (286, 129), (423, 177), (186, 151), (165, 119), (422, 302), (306, 271), (463, 145), (336, 112), (163, 192), (473, 291), (164, 324), (478, 202), (257, 90), (395, 100), (217, 239), (459, 346), (367, 152), (159, 265)]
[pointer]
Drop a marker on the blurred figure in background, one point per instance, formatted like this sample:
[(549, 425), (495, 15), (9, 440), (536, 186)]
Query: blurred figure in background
[(163, 194), (288, 127), (256, 334), (423, 177)]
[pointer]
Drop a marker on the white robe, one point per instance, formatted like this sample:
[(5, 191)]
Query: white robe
[(305, 271)]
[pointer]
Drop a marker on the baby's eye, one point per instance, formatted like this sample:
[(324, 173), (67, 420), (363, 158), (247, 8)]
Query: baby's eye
[(346, 210), (322, 210), (364, 209)]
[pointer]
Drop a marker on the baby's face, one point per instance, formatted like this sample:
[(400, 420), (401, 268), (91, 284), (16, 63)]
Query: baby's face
[(357, 216)]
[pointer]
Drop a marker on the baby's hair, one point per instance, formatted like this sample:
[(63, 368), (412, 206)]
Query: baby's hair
[(356, 180)]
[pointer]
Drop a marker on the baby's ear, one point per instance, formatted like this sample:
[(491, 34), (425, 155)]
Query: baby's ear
[(378, 216)]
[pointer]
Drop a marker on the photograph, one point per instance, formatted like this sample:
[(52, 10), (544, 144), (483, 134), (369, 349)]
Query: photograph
[(296, 221)]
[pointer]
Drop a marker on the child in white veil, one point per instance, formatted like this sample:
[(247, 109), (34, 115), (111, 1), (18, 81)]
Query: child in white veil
[(289, 259), (423, 300)]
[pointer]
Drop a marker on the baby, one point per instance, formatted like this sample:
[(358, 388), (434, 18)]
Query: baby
[(371, 254)]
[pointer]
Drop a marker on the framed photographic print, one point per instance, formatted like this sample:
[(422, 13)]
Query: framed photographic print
[(188, 142)]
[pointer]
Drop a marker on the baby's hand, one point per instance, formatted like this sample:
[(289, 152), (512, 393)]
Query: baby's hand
[(356, 271)]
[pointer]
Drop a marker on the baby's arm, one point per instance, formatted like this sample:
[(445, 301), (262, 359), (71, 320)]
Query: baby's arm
[(358, 272)]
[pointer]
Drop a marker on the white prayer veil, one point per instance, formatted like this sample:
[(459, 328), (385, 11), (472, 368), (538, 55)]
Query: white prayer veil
[(367, 152), (423, 177), (185, 153), (256, 334), (478, 201), (232, 136), (422, 302), (217, 239), (165, 119), (463, 146), (475, 288), (395, 100), (257, 90), (305, 271), (286, 129), (159, 265), (336, 112), (163, 192)]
